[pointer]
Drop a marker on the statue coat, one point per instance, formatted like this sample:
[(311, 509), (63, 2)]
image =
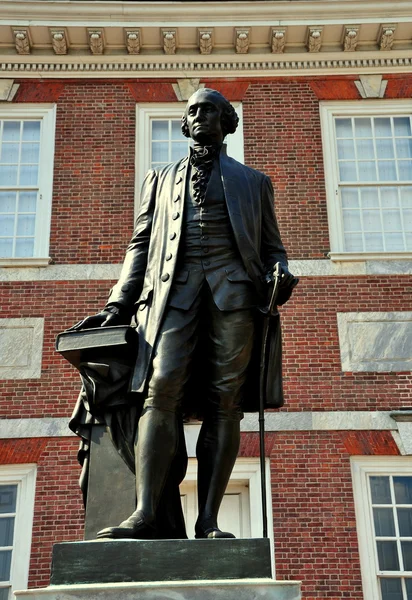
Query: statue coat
[(148, 270)]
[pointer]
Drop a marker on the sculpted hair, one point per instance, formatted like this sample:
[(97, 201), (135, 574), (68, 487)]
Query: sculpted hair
[(228, 119)]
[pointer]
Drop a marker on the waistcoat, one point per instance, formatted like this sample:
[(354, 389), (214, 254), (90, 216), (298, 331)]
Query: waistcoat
[(208, 254)]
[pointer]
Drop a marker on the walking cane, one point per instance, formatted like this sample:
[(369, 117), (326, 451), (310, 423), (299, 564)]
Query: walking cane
[(267, 312)]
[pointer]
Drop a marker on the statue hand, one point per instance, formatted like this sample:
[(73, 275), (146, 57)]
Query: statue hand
[(106, 318), (287, 284)]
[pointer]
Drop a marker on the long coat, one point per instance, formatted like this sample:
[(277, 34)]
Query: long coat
[(148, 269)]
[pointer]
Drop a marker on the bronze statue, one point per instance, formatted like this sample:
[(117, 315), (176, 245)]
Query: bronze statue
[(195, 273)]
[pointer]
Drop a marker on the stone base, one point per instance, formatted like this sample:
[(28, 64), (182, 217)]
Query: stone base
[(235, 589)]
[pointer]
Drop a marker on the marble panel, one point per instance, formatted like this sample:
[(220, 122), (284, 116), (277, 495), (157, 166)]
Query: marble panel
[(375, 341), (21, 345)]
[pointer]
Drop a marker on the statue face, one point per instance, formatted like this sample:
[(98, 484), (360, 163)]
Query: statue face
[(203, 118)]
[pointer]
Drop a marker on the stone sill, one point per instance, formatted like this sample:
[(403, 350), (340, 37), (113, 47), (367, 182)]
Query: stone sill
[(362, 256), (25, 262)]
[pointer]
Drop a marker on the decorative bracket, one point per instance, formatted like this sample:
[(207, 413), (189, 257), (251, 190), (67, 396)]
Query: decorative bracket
[(22, 40), (278, 40), (350, 37), (205, 41), (386, 36), (184, 88), (133, 41), (371, 86), (96, 41), (8, 89), (242, 40), (169, 41), (314, 39), (59, 41)]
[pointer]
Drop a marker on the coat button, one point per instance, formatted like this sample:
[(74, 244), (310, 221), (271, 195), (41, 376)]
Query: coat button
[(168, 256), (165, 277), (175, 216), (125, 287), (206, 262), (205, 250), (172, 236)]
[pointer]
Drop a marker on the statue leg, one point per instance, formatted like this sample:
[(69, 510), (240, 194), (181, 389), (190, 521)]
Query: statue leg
[(158, 435), (230, 336)]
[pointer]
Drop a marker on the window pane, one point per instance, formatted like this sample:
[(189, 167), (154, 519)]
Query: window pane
[(405, 522), (380, 490), (407, 555), (5, 561), (363, 127), (177, 130), (4, 593), (403, 489), (383, 127), (25, 225), (353, 242), (391, 589), (387, 170), (387, 556), (373, 242), (160, 130), (404, 148), (10, 153), (160, 152), (27, 201), (7, 225), (347, 171), (406, 197), (343, 128), (384, 523), (408, 238), (6, 531), (351, 220), (7, 202), (30, 153), (24, 247), (28, 175), (8, 495), (179, 150), (408, 583), (346, 149), (31, 131), (394, 242), (389, 197), (371, 220), (8, 175), (407, 219), (364, 149), (349, 198), (11, 131), (402, 126), (391, 220), (405, 170), (367, 171), (369, 197), (6, 248), (384, 148)]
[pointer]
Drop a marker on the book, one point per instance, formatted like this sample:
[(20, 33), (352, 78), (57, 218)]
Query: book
[(82, 345)]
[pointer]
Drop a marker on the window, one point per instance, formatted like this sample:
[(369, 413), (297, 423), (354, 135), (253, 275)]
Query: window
[(26, 173), (368, 166), (17, 486), (159, 139), (383, 497)]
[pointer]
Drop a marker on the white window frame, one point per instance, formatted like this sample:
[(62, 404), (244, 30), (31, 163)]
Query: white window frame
[(145, 112), (362, 467), (350, 108), (47, 114), (247, 471), (24, 476)]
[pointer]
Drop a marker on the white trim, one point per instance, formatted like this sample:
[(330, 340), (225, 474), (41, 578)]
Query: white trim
[(47, 114), (362, 467), (350, 108), (25, 478), (29, 261), (186, 65), (355, 256), (172, 110)]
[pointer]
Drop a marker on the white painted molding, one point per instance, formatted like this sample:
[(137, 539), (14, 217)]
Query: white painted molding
[(190, 65), (274, 421), (301, 268)]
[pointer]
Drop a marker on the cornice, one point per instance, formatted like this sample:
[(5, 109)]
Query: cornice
[(188, 66), (278, 12)]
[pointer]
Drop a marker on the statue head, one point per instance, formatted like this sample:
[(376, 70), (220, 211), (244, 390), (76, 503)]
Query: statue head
[(208, 117)]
